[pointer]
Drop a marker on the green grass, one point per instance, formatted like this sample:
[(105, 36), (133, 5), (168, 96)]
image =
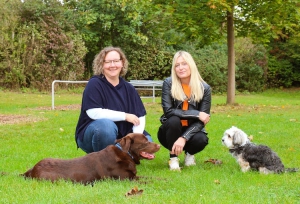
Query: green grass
[(37, 132)]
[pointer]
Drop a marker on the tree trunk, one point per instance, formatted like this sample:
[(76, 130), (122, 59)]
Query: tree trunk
[(231, 59)]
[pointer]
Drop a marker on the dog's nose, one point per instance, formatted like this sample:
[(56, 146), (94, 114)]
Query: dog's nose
[(222, 140)]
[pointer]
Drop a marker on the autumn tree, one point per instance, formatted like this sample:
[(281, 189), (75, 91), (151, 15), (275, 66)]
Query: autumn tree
[(208, 21)]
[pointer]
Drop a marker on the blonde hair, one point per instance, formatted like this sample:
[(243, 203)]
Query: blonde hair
[(196, 81), (99, 60)]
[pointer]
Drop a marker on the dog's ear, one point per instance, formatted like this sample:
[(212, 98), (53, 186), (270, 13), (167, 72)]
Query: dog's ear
[(125, 143), (239, 138)]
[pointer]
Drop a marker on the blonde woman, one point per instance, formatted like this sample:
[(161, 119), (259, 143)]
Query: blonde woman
[(111, 107), (186, 102)]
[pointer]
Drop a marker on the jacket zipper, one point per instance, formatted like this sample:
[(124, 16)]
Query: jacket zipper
[(189, 131)]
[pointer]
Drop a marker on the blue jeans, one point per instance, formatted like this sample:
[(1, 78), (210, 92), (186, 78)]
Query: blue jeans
[(99, 134)]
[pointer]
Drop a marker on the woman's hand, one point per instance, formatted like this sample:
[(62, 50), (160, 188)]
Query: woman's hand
[(204, 117), (178, 146), (132, 119)]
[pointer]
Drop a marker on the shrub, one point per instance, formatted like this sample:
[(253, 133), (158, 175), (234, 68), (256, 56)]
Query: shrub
[(251, 62), (280, 73), (148, 63), (45, 47)]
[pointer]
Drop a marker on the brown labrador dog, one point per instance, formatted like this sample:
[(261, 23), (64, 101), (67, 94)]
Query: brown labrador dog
[(115, 161)]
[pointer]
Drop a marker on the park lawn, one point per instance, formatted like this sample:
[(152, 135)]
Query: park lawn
[(31, 131)]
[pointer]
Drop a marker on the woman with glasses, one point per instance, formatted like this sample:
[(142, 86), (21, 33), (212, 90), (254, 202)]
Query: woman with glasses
[(186, 102), (111, 107)]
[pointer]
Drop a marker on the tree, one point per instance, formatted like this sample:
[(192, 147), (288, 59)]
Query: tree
[(204, 21), (231, 58), (110, 23), (261, 20), (129, 24)]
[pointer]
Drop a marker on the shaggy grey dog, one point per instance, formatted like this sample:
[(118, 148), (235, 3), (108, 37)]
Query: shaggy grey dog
[(250, 156)]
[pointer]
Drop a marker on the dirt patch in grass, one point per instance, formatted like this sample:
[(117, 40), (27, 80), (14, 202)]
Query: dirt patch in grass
[(61, 107), (15, 119)]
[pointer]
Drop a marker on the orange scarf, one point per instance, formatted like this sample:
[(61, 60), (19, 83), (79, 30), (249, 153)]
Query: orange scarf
[(185, 105)]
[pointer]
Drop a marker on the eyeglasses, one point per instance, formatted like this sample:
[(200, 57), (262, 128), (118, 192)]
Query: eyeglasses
[(109, 62)]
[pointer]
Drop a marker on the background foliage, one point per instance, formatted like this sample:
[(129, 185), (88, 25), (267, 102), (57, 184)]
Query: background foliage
[(42, 46), (42, 40)]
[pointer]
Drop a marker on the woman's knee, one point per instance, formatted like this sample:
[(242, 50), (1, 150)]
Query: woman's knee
[(202, 140), (103, 126), (173, 123), (100, 134), (104, 129), (197, 143)]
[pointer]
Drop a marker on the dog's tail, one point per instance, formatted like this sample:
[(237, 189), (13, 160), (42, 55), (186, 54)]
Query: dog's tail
[(27, 173), (288, 170)]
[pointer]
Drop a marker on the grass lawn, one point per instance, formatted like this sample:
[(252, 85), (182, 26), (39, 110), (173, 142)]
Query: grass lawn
[(31, 131)]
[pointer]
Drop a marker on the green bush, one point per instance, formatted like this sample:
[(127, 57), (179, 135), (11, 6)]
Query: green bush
[(212, 64), (280, 73), (44, 47), (148, 63), (251, 62)]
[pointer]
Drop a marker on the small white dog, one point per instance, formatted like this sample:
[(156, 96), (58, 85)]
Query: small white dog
[(250, 156)]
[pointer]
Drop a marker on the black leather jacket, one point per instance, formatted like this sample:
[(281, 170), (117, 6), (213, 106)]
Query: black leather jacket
[(173, 107)]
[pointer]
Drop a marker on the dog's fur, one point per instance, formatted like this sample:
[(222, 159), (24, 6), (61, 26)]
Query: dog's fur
[(250, 156), (115, 161)]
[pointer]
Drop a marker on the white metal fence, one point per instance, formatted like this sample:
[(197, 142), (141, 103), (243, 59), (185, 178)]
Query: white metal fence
[(152, 85)]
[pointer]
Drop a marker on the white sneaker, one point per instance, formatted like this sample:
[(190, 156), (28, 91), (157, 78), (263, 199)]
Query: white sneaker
[(189, 160), (174, 163)]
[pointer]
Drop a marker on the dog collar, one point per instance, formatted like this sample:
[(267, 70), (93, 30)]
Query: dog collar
[(119, 146)]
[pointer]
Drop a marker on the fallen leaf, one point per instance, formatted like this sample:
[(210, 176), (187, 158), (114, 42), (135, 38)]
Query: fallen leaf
[(293, 120), (3, 173), (214, 161), (61, 129), (134, 191), (217, 181), (250, 137)]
